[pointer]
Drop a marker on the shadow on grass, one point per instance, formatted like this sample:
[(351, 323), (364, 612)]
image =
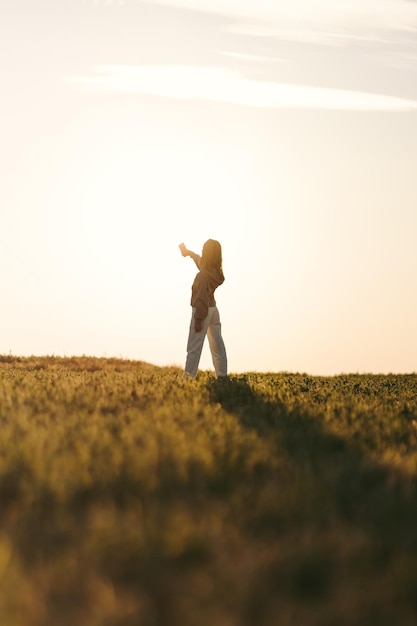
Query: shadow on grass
[(360, 516), (375, 495)]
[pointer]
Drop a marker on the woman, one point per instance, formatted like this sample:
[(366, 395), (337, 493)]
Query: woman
[(205, 319)]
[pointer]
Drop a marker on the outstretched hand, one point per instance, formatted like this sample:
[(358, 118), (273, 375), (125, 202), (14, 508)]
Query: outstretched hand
[(183, 249)]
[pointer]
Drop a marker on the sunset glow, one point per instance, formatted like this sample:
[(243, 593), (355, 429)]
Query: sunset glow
[(285, 131)]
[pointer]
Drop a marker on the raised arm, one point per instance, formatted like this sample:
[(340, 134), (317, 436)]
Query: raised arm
[(195, 257)]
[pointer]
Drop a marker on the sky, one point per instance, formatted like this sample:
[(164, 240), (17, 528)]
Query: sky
[(285, 130)]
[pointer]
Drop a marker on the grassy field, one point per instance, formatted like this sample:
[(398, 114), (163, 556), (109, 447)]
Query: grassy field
[(131, 498)]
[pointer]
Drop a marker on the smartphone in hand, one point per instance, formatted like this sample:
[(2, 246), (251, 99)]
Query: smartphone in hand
[(183, 249)]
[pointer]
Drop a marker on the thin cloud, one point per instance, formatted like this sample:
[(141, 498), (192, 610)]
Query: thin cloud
[(317, 20), (218, 85), (118, 3), (252, 58), (333, 36)]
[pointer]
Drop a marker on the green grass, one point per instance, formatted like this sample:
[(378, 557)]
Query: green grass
[(131, 497)]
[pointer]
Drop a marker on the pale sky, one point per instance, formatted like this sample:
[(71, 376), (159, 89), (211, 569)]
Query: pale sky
[(287, 131)]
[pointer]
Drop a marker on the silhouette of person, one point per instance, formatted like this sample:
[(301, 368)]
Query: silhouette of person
[(205, 318)]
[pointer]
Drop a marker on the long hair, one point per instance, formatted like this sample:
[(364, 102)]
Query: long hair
[(211, 257)]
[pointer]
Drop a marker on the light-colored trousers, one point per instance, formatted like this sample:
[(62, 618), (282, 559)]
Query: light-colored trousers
[(213, 329)]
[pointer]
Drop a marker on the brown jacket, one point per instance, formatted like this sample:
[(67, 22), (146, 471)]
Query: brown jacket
[(204, 286)]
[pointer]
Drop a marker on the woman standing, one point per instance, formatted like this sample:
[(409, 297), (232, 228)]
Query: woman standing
[(205, 319)]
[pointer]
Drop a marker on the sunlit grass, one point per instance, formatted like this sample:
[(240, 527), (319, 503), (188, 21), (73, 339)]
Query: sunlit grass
[(131, 497)]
